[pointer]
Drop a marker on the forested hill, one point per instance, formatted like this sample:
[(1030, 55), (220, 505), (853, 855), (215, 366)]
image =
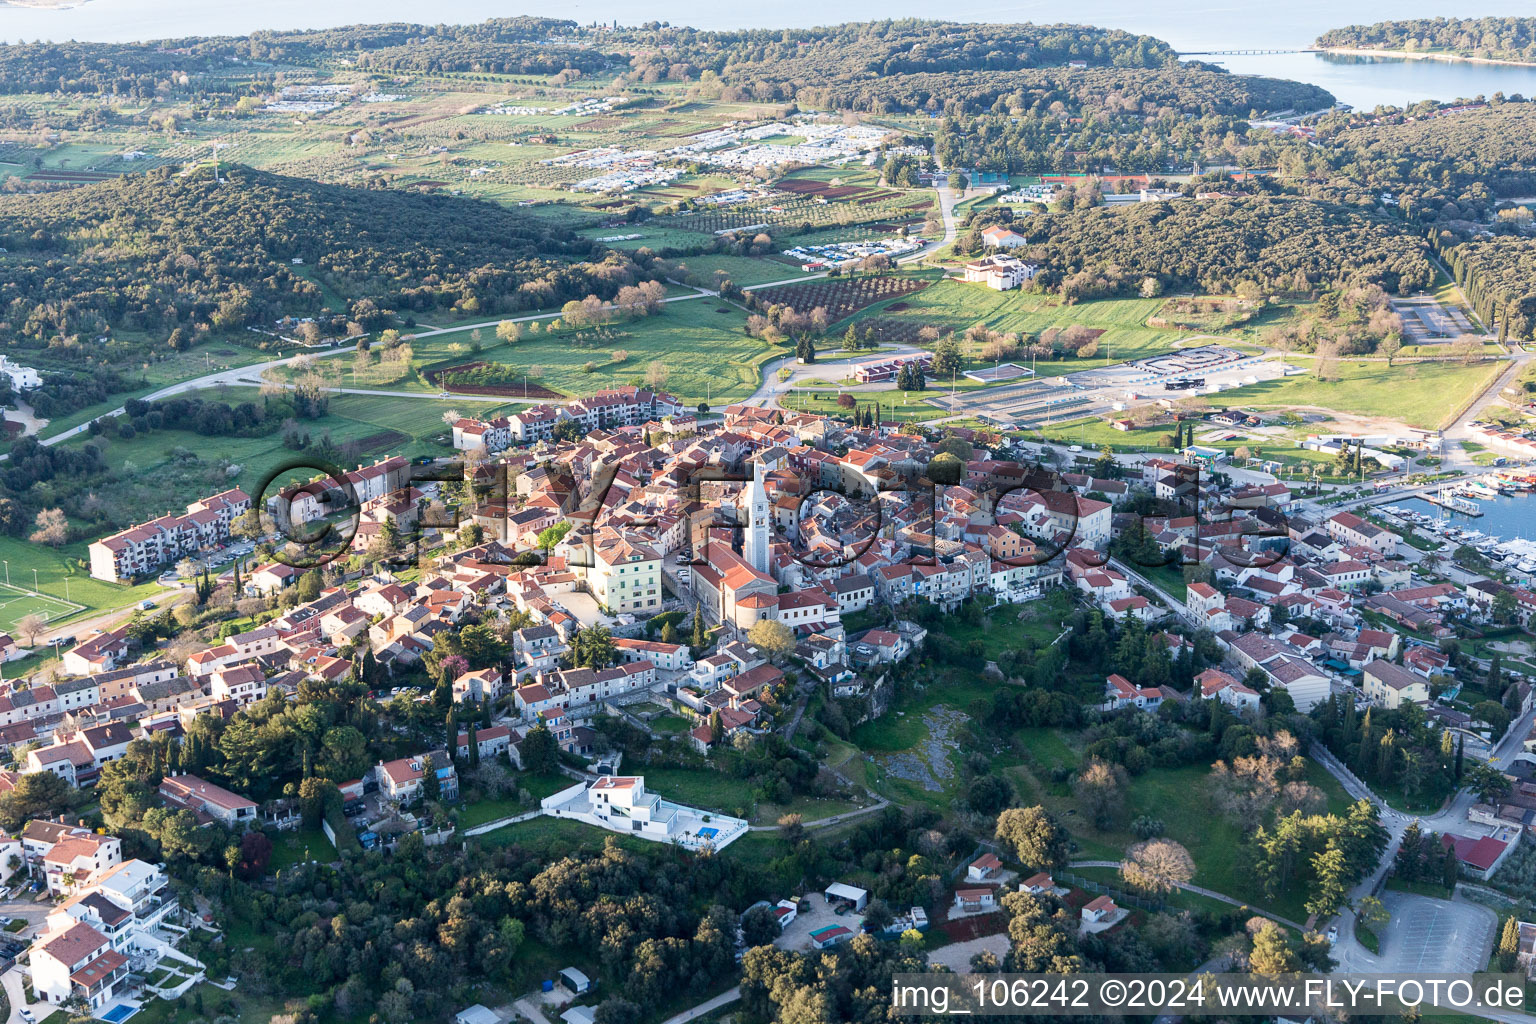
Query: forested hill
[(157, 251), (777, 62), (1283, 245), (1498, 38), (878, 66), (1450, 165)]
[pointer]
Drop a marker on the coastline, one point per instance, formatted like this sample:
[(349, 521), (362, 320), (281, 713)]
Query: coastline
[(1449, 58)]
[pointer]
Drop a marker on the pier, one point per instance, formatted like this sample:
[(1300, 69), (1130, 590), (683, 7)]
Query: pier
[(1447, 498), (1238, 53)]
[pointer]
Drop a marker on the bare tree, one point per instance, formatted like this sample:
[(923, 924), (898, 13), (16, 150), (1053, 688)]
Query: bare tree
[(1157, 866), (52, 528), (656, 373), (31, 625)]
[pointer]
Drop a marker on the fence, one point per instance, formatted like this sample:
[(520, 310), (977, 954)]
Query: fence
[(1121, 896)]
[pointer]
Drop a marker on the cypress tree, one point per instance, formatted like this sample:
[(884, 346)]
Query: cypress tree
[(1509, 942), (474, 748)]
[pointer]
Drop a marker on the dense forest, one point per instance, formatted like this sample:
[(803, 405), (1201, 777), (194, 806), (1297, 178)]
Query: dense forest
[(1498, 38), (220, 65), (120, 70), (1030, 138), (158, 251), (1451, 164), (1176, 90), (1499, 275), (1278, 245)]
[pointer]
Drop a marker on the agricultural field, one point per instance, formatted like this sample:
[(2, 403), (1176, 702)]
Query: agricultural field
[(841, 297), (743, 271)]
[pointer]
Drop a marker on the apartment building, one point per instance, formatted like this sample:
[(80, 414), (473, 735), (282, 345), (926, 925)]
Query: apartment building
[(146, 548)]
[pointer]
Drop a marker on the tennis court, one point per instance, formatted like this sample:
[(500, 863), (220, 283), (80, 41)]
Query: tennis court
[(16, 603)]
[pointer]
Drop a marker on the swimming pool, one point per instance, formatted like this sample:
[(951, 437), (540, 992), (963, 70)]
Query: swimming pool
[(118, 1013), (708, 833)]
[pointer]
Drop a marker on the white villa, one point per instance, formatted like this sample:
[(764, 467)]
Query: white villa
[(1000, 273), (620, 803)]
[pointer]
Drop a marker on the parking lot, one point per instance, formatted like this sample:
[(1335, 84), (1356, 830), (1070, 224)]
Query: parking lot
[(820, 914), (1430, 935)]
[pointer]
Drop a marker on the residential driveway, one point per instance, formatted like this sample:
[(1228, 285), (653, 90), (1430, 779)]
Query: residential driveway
[(1429, 935), (15, 994)]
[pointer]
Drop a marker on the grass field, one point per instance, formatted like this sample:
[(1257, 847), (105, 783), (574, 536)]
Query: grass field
[(299, 845), (651, 237), (59, 573), (745, 271), (954, 305), (158, 472), (700, 342), (1421, 395), (16, 603), (1179, 797)]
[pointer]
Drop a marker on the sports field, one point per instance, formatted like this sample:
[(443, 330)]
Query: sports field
[(17, 603)]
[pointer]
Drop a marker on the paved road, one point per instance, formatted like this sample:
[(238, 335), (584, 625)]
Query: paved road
[(947, 201), (837, 819), (723, 999), (251, 374), (15, 994), (1452, 817)]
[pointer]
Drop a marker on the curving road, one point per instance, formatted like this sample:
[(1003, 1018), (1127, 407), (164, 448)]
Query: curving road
[(1199, 891), (251, 374), (947, 202)]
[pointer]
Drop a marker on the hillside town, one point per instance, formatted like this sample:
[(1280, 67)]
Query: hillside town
[(618, 558), (536, 519)]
